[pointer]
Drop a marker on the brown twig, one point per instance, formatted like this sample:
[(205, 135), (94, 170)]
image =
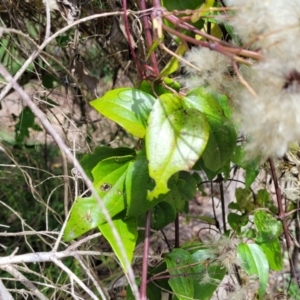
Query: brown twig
[(143, 289)]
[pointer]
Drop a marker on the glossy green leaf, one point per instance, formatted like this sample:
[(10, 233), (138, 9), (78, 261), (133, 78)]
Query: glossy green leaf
[(203, 288), (178, 264), (268, 232), (109, 178), (176, 137), (128, 233), (223, 136), (128, 107), (255, 262), (90, 160)]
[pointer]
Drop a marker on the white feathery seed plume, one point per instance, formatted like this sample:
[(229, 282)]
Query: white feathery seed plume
[(210, 68), (271, 118)]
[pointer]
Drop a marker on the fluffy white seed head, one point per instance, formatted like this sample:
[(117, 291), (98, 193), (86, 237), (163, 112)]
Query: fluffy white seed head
[(264, 23), (271, 121), (209, 68)]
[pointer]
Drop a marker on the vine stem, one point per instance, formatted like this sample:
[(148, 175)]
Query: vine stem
[(148, 33), (281, 212), (129, 37), (281, 215)]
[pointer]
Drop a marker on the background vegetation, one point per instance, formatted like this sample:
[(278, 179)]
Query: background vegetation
[(119, 119)]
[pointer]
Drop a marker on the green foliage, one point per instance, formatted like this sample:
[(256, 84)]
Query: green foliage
[(109, 178), (128, 107), (268, 232), (127, 230), (178, 262), (222, 137), (186, 138), (255, 262), (26, 122), (176, 137)]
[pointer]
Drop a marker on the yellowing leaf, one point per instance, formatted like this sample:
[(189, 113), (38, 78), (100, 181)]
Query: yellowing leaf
[(176, 137)]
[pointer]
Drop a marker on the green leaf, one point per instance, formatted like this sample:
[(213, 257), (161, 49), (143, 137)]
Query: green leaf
[(173, 64), (159, 87), (181, 5), (224, 103), (234, 205), (128, 233), (162, 214), (237, 221), (176, 137), (109, 177), (268, 232), (244, 199), (153, 292), (128, 107), (251, 167), (90, 160), (255, 262), (208, 276), (26, 121), (137, 184), (223, 136), (48, 81), (263, 197), (182, 190), (178, 264)]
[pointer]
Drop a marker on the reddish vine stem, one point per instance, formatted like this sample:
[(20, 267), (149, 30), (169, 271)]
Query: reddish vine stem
[(228, 51), (148, 35), (281, 215), (215, 44), (126, 23), (281, 212), (143, 289)]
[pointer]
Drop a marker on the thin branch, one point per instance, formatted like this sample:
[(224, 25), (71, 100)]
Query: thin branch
[(36, 53), (101, 289), (49, 128), (48, 19), (48, 256), (4, 293), (21, 278), (72, 276), (148, 33), (129, 39), (143, 292)]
